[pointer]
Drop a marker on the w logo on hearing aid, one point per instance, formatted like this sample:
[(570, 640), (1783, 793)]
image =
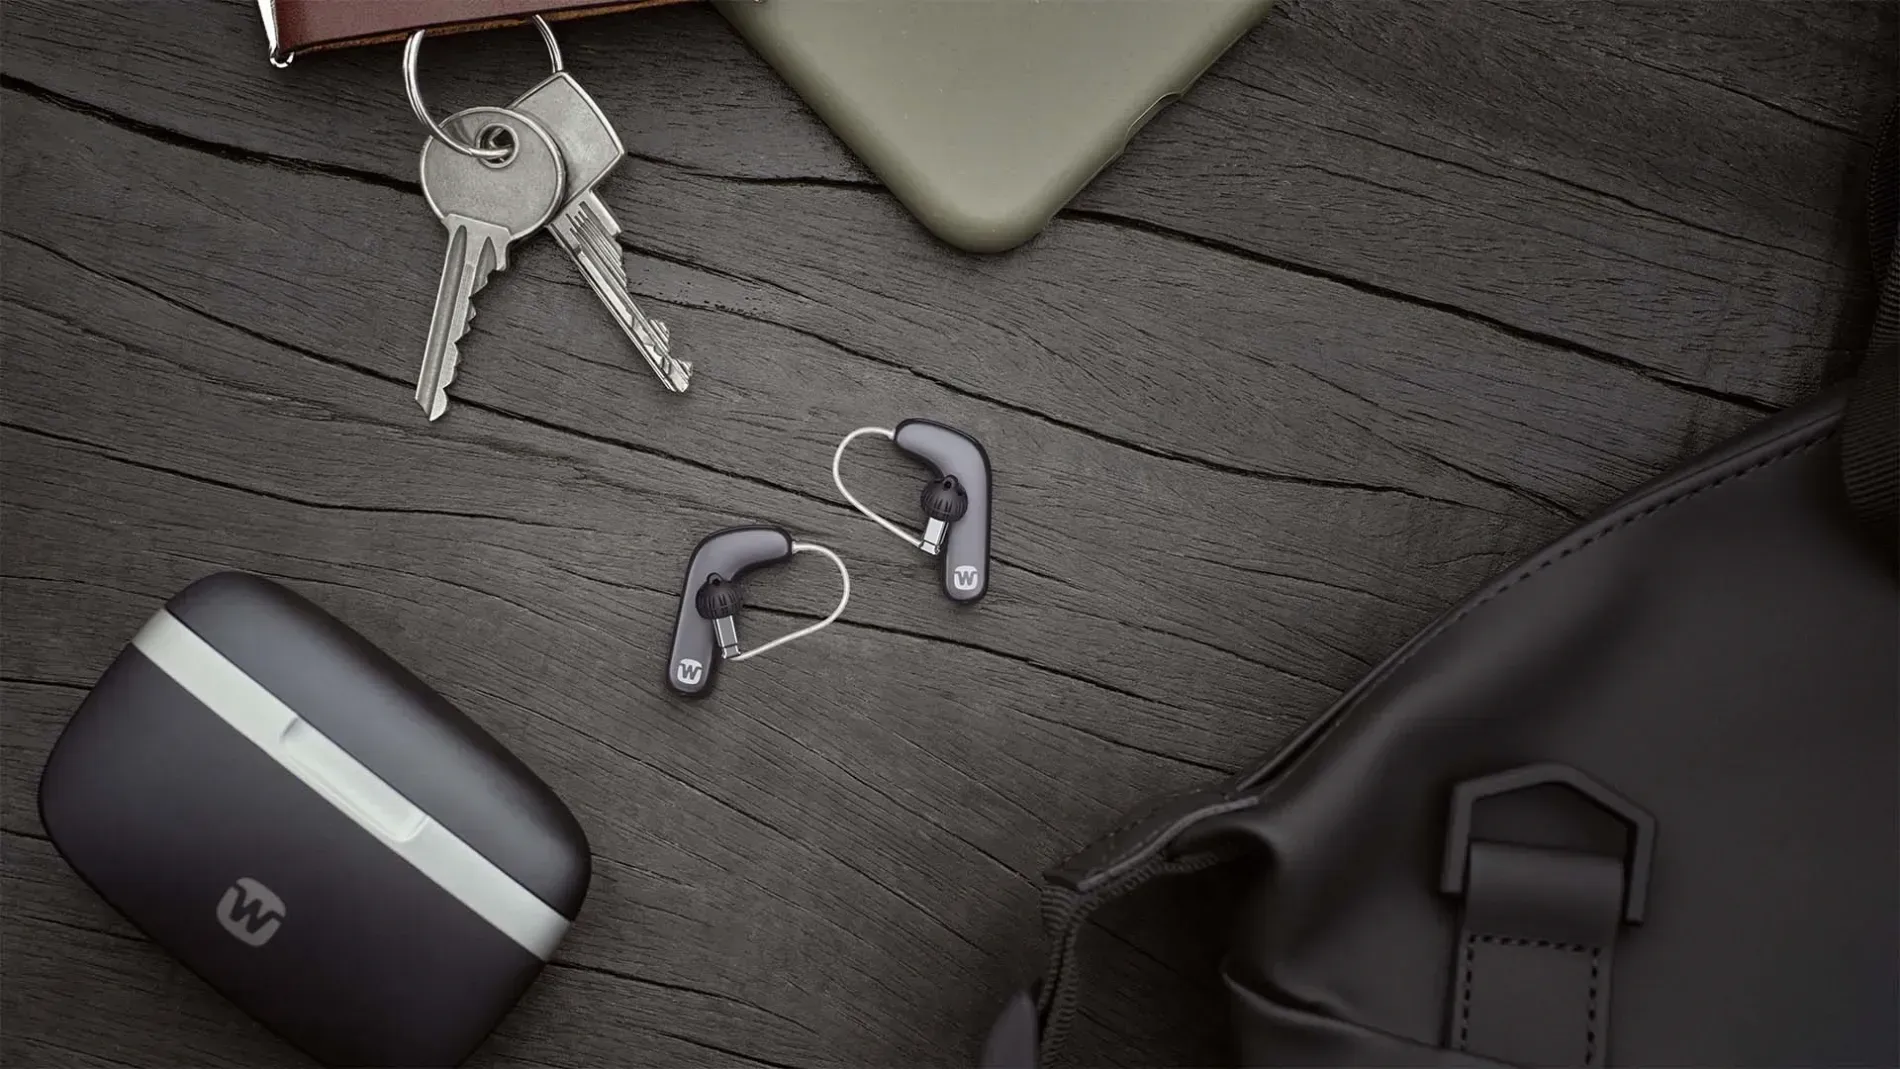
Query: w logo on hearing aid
[(251, 912), (689, 672), (965, 577)]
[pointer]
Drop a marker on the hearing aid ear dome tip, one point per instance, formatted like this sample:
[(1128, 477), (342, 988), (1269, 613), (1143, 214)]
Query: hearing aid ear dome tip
[(717, 598), (944, 499)]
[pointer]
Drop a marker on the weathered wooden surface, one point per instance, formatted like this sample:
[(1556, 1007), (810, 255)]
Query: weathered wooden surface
[(1397, 292)]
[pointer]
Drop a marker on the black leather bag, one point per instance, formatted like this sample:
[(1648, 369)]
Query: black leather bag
[(1636, 802)]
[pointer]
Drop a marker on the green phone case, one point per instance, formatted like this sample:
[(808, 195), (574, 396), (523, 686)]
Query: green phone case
[(985, 117)]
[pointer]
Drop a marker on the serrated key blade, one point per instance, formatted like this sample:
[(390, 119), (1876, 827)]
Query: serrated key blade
[(438, 352), (475, 250), (485, 205), (585, 230)]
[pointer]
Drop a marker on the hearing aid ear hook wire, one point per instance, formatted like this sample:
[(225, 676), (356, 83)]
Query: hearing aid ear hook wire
[(838, 456), (844, 598)]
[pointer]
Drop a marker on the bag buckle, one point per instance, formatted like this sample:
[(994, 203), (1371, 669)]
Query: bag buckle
[(1642, 827)]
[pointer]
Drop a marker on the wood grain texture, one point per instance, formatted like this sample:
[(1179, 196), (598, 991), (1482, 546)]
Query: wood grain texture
[(1398, 292), (1526, 164)]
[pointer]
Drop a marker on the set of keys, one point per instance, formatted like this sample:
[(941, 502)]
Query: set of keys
[(497, 176)]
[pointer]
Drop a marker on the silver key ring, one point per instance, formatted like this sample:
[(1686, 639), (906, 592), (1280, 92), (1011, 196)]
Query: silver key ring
[(480, 152)]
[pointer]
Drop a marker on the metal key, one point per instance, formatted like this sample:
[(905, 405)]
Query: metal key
[(584, 226), (486, 207)]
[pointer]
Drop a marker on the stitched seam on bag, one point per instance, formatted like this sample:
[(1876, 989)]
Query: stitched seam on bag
[(1145, 813), (1590, 1014), (1464, 996), (1425, 640), (1590, 1004), (1541, 944), (1622, 523), (1221, 804)]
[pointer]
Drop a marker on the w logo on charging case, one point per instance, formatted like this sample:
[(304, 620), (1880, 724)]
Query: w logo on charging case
[(251, 912)]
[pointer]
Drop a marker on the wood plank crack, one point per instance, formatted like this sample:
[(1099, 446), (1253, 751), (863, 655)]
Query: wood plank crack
[(245, 156), (620, 443), (288, 499), (687, 989), (1532, 172), (183, 140), (1286, 478), (27, 681), (1511, 330), (894, 892), (784, 613)]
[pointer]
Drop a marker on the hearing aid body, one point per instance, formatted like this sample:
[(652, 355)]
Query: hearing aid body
[(706, 632), (956, 502), (727, 555), (965, 545)]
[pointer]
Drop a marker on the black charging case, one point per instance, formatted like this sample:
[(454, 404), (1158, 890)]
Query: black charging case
[(310, 828)]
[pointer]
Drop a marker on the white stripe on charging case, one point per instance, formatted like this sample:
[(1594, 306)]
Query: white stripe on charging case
[(345, 783)]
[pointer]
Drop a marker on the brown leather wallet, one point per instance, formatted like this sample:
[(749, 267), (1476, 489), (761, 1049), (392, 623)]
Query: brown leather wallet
[(295, 26)]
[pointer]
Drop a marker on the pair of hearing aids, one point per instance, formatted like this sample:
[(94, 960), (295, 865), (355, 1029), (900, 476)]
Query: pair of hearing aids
[(956, 507)]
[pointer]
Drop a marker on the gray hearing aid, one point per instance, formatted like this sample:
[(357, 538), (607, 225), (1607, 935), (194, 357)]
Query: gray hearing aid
[(706, 631), (956, 501)]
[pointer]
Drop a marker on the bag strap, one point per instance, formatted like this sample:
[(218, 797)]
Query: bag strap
[(1539, 925), (1870, 431)]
